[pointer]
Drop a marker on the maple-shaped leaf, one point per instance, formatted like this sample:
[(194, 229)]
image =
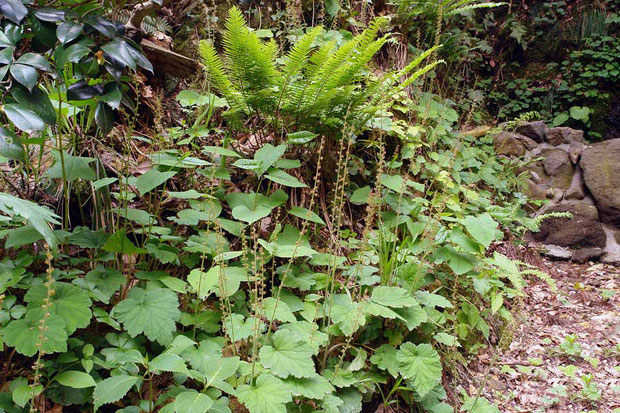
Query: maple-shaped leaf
[(152, 312), (23, 334), (267, 395), (69, 302), (421, 364), (289, 356)]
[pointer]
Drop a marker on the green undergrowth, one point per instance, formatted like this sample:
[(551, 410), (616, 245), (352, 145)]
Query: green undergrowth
[(316, 237)]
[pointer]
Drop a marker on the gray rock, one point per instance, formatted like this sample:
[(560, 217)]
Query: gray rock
[(558, 136), (533, 130), (600, 164), (509, 144), (587, 254), (558, 166), (557, 252), (581, 231), (574, 151)]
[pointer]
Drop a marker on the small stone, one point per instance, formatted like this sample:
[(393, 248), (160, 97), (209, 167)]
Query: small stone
[(555, 251), (574, 151), (508, 144)]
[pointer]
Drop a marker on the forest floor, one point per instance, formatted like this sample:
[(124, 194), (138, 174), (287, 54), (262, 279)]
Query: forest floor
[(565, 352)]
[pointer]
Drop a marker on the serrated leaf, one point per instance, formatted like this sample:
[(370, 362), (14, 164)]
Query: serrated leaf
[(282, 311), (112, 389), (169, 362), (219, 369), (482, 228), (421, 364), (267, 395), (23, 334), (384, 357), (192, 401), (314, 387), (69, 302), (153, 312), (119, 243), (414, 316), (75, 379), (289, 356), (394, 297)]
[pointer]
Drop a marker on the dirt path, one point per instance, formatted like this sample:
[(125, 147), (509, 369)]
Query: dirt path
[(565, 353)]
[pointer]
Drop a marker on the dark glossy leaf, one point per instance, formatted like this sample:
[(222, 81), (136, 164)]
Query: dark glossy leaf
[(24, 118), (102, 25), (3, 71), (6, 56), (83, 91), (104, 116), (140, 59), (73, 54), (44, 34), (119, 50), (13, 10), (26, 75), (112, 95), (5, 41), (38, 101), (10, 145), (13, 33), (68, 31), (48, 14), (115, 71), (35, 60)]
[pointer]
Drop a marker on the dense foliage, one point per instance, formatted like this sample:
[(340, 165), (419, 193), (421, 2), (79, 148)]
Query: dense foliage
[(314, 235)]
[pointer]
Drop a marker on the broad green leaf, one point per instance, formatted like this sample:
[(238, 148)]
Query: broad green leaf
[(360, 195), (38, 216), (306, 214), (112, 389), (580, 113), (394, 297), (69, 302), (482, 228), (152, 312), (267, 156), (218, 150), (36, 100), (238, 327), (152, 179), (414, 316), (460, 263), (219, 369), (73, 54), (479, 405), (314, 387), (75, 379), (394, 182), (119, 243), (68, 30), (268, 395), (421, 364), (24, 118), (384, 357), (23, 334), (203, 282), (282, 313), (75, 167), (169, 362), (432, 300), (289, 356), (10, 145), (300, 138), (348, 315), (35, 60), (280, 177), (192, 401), (26, 75)]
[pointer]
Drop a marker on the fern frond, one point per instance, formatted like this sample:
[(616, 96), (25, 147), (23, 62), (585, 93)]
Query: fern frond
[(214, 68)]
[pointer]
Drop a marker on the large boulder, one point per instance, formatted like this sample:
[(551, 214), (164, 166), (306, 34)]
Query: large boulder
[(581, 231), (533, 130), (600, 164), (560, 135)]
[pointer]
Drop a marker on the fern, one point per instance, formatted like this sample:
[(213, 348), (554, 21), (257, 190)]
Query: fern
[(313, 88)]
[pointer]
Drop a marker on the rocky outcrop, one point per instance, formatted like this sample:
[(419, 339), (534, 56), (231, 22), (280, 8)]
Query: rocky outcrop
[(600, 164), (572, 176)]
